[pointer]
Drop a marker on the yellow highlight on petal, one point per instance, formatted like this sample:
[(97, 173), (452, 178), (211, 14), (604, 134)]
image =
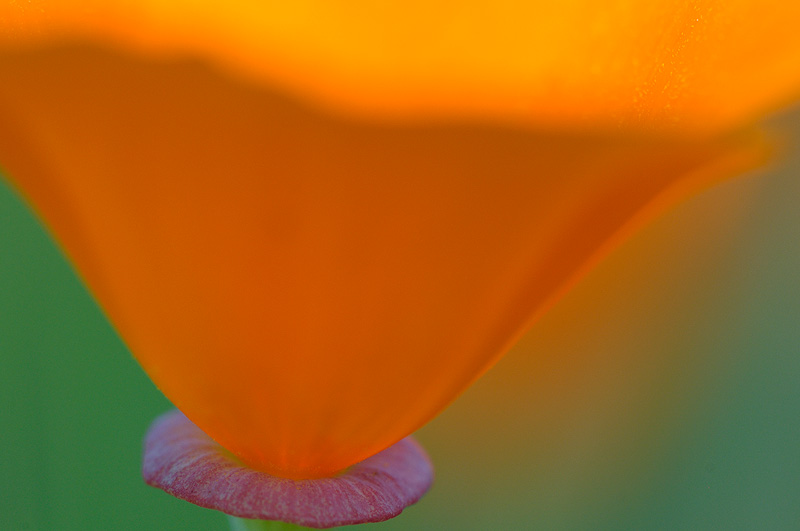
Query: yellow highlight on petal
[(687, 65)]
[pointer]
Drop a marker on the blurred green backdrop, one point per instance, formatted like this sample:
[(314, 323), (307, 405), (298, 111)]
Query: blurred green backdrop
[(663, 393)]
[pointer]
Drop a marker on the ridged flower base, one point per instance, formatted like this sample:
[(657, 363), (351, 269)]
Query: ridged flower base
[(183, 461)]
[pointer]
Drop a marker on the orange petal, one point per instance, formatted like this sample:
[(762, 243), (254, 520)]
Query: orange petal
[(690, 65), (310, 289)]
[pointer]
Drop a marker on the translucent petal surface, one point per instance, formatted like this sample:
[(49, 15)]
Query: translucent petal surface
[(309, 289), (654, 63)]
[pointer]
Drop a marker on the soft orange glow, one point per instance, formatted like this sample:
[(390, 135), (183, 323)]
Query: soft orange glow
[(310, 287), (677, 64)]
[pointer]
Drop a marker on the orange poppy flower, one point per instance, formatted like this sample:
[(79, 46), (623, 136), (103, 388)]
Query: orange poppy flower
[(315, 223)]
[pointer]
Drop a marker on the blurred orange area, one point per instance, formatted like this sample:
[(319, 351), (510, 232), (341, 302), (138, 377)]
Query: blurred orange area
[(310, 288), (690, 66)]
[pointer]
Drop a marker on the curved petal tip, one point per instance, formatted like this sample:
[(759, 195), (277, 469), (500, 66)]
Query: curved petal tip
[(183, 461)]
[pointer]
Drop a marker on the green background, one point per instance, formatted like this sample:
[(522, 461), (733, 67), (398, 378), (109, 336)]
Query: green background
[(673, 404)]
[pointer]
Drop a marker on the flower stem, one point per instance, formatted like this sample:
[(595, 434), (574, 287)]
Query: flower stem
[(243, 524)]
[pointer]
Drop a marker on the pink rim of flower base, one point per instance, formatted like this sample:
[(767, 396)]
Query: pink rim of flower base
[(185, 462)]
